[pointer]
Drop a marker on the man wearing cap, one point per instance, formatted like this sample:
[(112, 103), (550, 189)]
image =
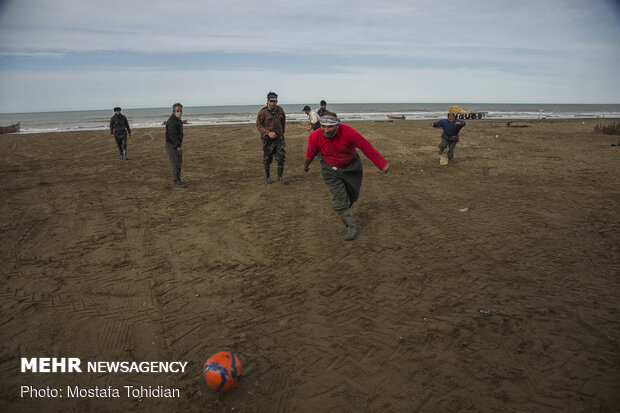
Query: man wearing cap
[(271, 122), (119, 127), (322, 108), (314, 118), (341, 166)]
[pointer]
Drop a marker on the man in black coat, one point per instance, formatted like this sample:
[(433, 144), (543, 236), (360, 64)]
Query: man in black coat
[(174, 144), (119, 127)]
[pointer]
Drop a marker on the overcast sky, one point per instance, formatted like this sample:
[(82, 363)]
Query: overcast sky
[(75, 54)]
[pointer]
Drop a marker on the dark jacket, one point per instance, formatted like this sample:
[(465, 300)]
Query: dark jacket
[(267, 122), (450, 130), (119, 125), (174, 131)]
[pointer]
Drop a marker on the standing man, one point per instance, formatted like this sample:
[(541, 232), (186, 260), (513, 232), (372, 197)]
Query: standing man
[(271, 122), (314, 118), (174, 144), (322, 108), (341, 166), (119, 127), (450, 135)]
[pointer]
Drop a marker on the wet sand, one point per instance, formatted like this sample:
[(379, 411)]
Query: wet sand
[(102, 260)]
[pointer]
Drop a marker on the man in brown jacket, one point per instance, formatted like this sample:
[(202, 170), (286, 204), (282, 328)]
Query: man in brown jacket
[(271, 122)]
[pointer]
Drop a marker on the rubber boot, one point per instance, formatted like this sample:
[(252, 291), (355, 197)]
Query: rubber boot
[(280, 173), (349, 221), (267, 175)]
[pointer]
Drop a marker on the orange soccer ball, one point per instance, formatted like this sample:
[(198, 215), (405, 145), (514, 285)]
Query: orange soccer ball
[(222, 371)]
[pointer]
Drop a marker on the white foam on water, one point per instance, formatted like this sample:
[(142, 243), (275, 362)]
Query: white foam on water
[(47, 122)]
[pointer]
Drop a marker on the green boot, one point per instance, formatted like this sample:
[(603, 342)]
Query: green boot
[(280, 173), (349, 221), (267, 175)]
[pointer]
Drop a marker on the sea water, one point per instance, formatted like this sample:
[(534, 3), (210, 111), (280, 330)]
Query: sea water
[(40, 122)]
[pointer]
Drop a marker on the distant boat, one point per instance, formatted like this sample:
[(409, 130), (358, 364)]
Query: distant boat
[(400, 117), (10, 129)]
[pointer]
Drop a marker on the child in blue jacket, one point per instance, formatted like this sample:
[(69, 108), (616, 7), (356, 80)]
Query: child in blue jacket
[(450, 135)]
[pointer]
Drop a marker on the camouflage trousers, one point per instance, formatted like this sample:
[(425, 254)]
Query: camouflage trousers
[(450, 145), (344, 183), (273, 148), (121, 142)]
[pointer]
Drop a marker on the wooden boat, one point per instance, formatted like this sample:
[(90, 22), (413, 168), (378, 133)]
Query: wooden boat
[(10, 129), (401, 117), (462, 113)]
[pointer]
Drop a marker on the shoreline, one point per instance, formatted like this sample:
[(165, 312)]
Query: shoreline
[(352, 122)]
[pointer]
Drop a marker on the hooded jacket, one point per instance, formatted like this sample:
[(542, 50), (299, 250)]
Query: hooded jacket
[(119, 125)]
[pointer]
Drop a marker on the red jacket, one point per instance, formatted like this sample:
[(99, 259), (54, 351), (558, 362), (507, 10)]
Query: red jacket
[(340, 150)]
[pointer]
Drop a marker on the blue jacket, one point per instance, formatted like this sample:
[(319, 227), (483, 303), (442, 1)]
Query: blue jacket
[(450, 130)]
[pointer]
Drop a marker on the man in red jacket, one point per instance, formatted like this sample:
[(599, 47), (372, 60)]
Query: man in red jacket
[(341, 166)]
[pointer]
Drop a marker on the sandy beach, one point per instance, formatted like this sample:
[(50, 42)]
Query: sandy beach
[(104, 261)]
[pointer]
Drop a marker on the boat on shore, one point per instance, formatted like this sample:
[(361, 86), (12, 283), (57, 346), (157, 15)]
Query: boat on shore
[(10, 129), (396, 117), (462, 113)]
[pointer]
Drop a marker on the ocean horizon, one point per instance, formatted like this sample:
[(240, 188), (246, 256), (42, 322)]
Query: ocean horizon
[(62, 121)]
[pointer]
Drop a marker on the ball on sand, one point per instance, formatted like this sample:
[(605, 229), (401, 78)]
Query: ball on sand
[(222, 371)]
